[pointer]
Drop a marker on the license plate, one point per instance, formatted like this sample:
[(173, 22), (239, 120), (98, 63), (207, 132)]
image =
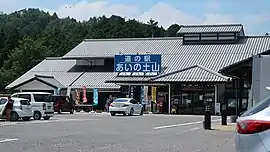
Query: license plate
[(49, 107)]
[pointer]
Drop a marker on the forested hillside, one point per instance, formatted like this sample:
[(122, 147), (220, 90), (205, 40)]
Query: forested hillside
[(28, 36)]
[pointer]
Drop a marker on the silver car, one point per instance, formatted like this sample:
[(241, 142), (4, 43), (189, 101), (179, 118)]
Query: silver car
[(253, 129), (125, 106)]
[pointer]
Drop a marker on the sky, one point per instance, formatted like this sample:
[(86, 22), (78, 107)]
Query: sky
[(253, 14)]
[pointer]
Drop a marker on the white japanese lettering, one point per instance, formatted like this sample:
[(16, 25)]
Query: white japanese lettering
[(137, 67), (155, 67), (147, 58), (137, 58), (119, 67), (128, 67), (146, 67), (128, 58)]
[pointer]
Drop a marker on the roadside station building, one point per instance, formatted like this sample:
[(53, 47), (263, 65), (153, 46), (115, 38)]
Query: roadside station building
[(195, 67)]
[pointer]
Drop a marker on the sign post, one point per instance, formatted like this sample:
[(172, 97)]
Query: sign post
[(137, 63)]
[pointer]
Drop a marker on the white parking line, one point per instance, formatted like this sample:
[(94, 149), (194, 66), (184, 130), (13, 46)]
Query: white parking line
[(8, 140), (183, 124)]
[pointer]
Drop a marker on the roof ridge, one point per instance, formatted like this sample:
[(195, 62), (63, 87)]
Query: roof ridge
[(211, 25), (174, 72), (43, 76), (211, 71), (53, 58), (132, 39), (191, 67)]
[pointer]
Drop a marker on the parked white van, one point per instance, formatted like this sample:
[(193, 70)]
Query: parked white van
[(21, 109), (42, 103)]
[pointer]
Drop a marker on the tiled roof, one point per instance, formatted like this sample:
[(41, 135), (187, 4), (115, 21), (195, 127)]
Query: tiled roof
[(175, 55), (196, 73), (128, 79), (50, 67), (95, 80), (211, 28), (50, 80), (59, 71)]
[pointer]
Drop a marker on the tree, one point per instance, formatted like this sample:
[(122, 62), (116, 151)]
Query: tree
[(153, 24), (27, 36), (172, 30)]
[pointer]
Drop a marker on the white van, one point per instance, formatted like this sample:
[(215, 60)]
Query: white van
[(42, 103), (21, 109)]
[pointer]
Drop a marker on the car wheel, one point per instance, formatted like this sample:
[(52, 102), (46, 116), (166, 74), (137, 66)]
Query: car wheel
[(14, 116), (46, 118), (72, 111), (131, 112), (37, 115), (124, 114), (112, 113), (141, 112), (26, 118)]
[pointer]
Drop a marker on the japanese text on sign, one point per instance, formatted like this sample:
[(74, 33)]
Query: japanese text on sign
[(137, 63)]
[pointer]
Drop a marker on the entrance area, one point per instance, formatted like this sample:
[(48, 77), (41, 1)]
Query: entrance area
[(190, 99)]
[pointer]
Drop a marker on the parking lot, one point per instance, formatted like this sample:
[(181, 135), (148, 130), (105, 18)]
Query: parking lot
[(84, 132)]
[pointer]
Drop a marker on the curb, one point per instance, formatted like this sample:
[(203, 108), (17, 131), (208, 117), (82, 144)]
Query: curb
[(226, 128)]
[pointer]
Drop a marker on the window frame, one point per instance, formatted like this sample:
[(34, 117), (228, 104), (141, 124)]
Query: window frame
[(28, 98)]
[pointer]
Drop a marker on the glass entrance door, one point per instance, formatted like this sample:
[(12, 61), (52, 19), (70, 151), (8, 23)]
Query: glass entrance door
[(192, 103), (185, 105)]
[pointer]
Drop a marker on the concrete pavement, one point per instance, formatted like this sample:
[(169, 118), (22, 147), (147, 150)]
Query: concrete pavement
[(103, 133)]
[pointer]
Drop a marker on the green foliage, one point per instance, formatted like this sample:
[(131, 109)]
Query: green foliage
[(29, 35)]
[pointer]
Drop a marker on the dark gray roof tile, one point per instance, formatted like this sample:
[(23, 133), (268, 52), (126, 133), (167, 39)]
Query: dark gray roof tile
[(211, 28)]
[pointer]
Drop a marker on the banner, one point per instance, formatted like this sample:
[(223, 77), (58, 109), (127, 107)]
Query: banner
[(154, 94), (142, 101), (58, 91), (145, 93), (84, 94), (95, 96)]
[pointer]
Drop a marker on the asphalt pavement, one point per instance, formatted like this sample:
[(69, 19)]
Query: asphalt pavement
[(104, 133)]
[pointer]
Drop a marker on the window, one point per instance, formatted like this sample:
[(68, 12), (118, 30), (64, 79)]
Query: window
[(25, 96), (192, 35), (16, 96), (3, 101), (209, 35), (225, 34), (192, 38), (226, 38), (120, 100), (257, 107), (43, 98), (133, 101), (24, 102)]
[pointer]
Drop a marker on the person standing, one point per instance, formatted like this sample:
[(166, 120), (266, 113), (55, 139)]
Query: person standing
[(9, 108), (108, 102)]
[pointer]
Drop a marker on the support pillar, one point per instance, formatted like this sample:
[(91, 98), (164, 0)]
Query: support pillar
[(169, 100), (216, 97)]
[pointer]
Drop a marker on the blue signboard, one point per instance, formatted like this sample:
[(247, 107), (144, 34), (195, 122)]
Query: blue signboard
[(137, 63), (95, 96)]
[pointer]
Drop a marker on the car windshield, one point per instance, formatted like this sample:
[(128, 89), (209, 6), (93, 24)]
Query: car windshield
[(257, 107), (120, 100), (43, 98)]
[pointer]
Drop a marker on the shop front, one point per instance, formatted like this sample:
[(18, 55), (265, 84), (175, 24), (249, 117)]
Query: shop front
[(191, 98)]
